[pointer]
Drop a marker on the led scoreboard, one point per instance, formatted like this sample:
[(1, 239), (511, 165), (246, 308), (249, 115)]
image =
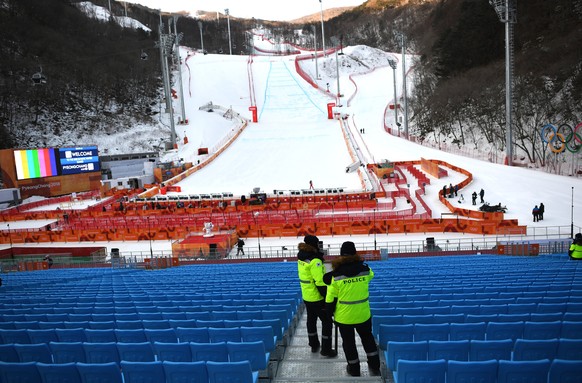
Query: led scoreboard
[(84, 159), (49, 162)]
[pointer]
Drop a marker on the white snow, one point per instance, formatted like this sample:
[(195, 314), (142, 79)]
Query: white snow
[(294, 141)]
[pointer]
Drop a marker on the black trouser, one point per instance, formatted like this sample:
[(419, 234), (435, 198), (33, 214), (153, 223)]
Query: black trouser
[(349, 344), (316, 310)]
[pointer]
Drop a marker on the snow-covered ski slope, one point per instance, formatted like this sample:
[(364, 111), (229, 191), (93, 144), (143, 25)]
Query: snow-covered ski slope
[(294, 141)]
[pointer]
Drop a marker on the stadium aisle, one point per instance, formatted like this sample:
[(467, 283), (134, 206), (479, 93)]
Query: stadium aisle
[(300, 365)]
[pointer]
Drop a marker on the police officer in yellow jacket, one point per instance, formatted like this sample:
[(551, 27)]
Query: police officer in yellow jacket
[(310, 268), (575, 251), (347, 299)]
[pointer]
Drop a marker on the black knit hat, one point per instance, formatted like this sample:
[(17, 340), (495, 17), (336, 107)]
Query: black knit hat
[(312, 240), (348, 248)]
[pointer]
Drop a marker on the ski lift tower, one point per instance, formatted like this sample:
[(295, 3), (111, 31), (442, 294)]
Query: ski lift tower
[(507, 12)]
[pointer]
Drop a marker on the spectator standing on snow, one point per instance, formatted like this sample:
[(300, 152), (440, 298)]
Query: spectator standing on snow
[(310, 184), (445, 191), (541, 212), (482, 195), (536, 213), (474, 198)]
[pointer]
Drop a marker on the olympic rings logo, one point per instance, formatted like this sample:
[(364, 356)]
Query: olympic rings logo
[(562, 138)]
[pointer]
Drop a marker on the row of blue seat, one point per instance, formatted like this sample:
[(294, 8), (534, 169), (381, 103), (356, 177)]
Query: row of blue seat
[(478, 331), (499, 308), (84, 352), (491, 371), (84, 314), (130, 372), (410, 301), (268, 331), (480, 350), (406, 295), (377, 320), (177, 300)]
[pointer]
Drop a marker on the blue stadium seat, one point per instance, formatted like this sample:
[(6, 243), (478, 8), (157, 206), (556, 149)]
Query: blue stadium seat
[(57, 373), (254, 352), (521, 308), (105, 325), (405, 350), (217, 352), (42, 336), (438, 331), (231, 334), (172, 315), (469, 331), (181, 372), (26, 325), (14, 336), (528, 349), (377, 320), (99, 373), (571, 330), (136, 352), (416, 319), (198, 315), (39, 352), (395, 332), (100, 336), (545, 317), (8, 353), (71, 334), (129, 324), (262, 333), (199, 335), (542, 330), (67, 352), (153, 316), (535, 371), (51, 325), (174, 352), (102, 317), (478, 371), (492, 309), (238, 322), (11, 372), (504, 330), (408, 371), (513, 317), (449, 318), (552, 307), (448, 350), (565, 371), (465, 309), (240, 372), (101, 352), (142, 372), (473, 318), (184, 323), (167, 335), (130, 336), (569, 349), (275, 325), (156, 324), (223, 315), (480, 350)]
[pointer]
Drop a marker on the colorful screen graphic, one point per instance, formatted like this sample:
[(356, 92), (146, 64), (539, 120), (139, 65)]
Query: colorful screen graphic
[(35, 163), (83, 159)]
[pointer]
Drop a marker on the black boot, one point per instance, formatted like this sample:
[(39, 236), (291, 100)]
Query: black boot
[(314, 343), (353, 369), (326, 349), (374, 365)]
